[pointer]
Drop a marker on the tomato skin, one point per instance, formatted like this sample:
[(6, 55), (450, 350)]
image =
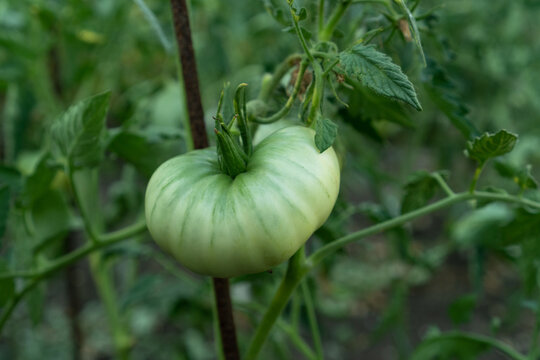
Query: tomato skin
[(219, 226)]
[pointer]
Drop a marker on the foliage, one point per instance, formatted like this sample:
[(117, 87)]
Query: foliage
[(91, 104)]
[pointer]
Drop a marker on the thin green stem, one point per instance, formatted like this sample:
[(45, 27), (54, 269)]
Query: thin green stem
[(320, 18), (299, 33), (281, 70), (477, 173), (330, 67), (297, 270), (312, 318), (326, 33), (295, 338), (443, 184), (491, 342), (318, 92), (14, 301), (290, 101)]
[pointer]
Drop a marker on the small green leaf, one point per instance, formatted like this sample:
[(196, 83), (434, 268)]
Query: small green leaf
[(460, 309), (325, 133), (418, 191), (7, 286), (78, 135), (491, 145), (376, 70)]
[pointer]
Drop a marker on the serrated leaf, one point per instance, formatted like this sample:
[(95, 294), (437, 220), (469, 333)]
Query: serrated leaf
[(376, 71), (418, 191), (491, 145), (276, 10), (325, 133), (78, 135)]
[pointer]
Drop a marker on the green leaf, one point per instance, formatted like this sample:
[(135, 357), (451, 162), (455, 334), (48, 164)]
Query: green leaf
[(51, 218), (460, 309), (460, 345), (39, 182), (420, 188), (145, 150), (7, 286), (78, 135), (325, 133), (377, 71), (491, 145)]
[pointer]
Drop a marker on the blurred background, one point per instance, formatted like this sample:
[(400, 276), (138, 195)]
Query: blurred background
[(456, 269)]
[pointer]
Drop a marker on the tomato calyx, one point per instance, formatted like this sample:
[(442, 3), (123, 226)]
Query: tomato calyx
[(233, 149)]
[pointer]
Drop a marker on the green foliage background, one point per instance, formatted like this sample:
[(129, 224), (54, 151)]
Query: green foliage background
[(466, 268)]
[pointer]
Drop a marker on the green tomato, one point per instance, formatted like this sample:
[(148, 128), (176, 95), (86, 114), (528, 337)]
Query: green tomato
[(219, 226)]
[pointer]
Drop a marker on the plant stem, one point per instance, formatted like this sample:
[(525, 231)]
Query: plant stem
[(295, 272), (321, 16), (299, 33), (226, 321), (477, 173), (73, 303), (189, 72), (290, 101), (298, 269), (318, 92), (281, 70), (326, 33), (312, 318), (200, 141), (443, 184)]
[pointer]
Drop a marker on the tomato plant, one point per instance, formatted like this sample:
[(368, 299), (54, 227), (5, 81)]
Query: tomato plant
[(348, 172)]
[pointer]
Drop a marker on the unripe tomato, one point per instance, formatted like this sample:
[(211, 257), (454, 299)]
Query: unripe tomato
[(223, 227)]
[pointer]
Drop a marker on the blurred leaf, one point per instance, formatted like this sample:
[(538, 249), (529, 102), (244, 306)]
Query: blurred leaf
[(325, 133), (491, 145), (154, 23), (376, 70), (442, 92), (460, 309), (524, 226), (79, 133), (522, 177), (420, 188), (39, 182), (277, 11), (7, 286), (482, 226), (145, 150), (459, 345), (51, 218), (10, 177), (414, 26)]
